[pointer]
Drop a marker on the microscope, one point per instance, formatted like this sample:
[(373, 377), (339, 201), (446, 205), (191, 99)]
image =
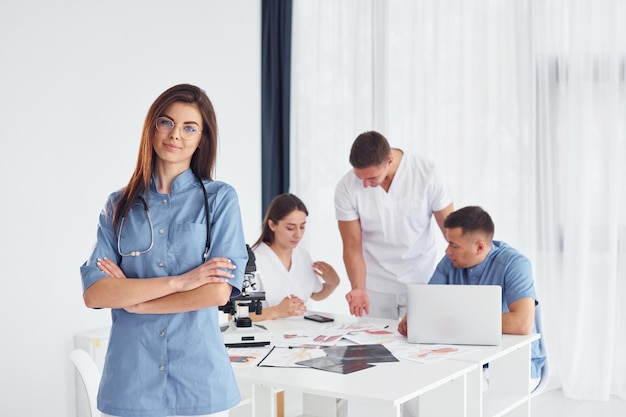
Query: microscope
[(241, 331)]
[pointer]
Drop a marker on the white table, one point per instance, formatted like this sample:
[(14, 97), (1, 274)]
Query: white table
[(509, 378), (452, 387), (383, 387)]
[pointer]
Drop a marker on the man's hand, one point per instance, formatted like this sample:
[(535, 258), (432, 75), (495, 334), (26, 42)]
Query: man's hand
[(402, 326), (359, 302)]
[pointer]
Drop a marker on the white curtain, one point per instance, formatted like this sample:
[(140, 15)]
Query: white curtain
[(580, 48), (521, 102)]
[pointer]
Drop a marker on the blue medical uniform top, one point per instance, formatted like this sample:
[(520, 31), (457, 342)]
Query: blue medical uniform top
[(503, 266), (160, 365)]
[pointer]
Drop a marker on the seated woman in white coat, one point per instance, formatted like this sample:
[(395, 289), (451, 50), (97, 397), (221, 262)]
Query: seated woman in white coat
[(285, 272)]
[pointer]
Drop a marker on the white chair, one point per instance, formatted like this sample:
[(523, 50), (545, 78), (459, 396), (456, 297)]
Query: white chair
[(545, 371), (90, 376)]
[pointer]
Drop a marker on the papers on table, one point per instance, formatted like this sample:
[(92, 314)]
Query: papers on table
[(339, 335), (247, 356), (342, 348), (373, 336), (336, 365), (288, 357), (338, 359), (309, 338), (428, 353)]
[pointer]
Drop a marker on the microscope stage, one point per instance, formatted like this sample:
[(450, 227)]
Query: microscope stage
[(245, 336)]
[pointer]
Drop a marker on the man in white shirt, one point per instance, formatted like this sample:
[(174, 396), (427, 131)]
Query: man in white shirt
[(384, 207)]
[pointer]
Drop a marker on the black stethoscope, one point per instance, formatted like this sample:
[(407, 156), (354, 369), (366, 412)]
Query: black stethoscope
[(207, 245)]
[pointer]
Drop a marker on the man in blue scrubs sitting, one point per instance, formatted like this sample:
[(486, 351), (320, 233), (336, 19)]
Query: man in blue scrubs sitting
[(473, 258)]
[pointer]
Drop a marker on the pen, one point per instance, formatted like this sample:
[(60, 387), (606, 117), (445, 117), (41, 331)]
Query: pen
[(305, 347)]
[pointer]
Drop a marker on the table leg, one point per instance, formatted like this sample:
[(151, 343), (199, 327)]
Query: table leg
[(319, 406), (263, 401), (449, 399)]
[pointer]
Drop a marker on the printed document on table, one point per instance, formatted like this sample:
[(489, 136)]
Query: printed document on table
[(342, 334), (247, 356), (308, 338), (348, 359), (426, 353), (381, 336), (286, 357)]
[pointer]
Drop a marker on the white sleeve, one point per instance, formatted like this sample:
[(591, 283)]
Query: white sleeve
[(440, 194), (345, 209)]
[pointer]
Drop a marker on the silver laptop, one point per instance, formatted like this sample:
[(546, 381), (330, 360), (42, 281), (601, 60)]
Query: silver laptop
[(454, 314)]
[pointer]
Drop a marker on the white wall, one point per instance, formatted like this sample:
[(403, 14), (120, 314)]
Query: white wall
[(76, 80)]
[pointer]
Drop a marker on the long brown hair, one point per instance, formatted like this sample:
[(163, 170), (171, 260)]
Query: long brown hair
[(279, 208), (202, 160)]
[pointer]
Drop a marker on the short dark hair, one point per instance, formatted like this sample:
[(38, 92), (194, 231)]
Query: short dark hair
[(369, 149), (470, 219)]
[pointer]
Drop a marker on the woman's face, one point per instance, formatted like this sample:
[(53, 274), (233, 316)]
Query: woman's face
[(178, 134), (289, 230)]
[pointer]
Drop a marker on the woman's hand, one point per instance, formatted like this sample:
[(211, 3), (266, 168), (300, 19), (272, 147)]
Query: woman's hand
[(290, 306), (110, 268), (212, 271), (327, 273), (330, 277), (215, 270)]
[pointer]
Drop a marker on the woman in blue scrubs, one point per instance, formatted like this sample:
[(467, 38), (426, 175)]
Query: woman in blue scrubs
[(169, 251)]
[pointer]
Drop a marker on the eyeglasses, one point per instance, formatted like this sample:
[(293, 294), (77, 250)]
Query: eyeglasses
[(187, 131)]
